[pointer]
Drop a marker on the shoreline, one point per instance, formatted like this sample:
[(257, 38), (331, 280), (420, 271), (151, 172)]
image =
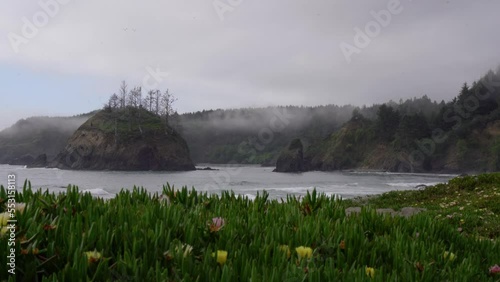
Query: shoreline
[(210, 166)]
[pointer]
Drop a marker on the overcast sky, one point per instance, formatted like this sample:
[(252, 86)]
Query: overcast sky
[(239, 53)]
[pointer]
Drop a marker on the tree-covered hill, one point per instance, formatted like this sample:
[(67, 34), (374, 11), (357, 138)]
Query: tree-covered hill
[(461, 135)]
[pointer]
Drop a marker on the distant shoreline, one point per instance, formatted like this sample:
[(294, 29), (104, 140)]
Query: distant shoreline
[(213, 167)]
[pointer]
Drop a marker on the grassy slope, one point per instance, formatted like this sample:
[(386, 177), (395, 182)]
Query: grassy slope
[(140, 237), (470, 204)]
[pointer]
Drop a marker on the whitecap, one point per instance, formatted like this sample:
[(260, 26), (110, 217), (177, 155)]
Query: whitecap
[(250, 197), (98, 192)]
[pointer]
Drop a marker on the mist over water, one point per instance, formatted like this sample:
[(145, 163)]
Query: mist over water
[(243, 180)]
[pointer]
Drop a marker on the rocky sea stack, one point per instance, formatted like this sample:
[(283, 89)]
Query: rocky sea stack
[(292, 158), (40, 161), (125, 139)]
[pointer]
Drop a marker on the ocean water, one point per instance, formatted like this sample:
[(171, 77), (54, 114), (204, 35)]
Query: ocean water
[(243, 180)]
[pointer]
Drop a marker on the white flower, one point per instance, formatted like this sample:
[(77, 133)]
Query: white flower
[(20, 207), (185, 249)]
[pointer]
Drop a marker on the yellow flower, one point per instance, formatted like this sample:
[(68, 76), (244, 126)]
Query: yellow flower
[(3, 218), (285, 249), (304, 252), (221, 257), (449, 256), (93, 256), (370, 272)]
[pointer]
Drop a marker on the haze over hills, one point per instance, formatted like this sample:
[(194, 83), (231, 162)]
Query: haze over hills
[(213, 136), (251, 135), (28, 138), (256, 135), (386, 136)]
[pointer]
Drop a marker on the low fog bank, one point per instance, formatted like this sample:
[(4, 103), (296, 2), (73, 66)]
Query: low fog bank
[(257, 135), (31, 137), (34, 125), (228, 136), (252, 120)]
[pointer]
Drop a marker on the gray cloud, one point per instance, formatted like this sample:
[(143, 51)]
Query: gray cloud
[(264, 52)]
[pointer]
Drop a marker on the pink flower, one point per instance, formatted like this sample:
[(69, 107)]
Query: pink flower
[(218, 221), (217, 224), (495, 269)]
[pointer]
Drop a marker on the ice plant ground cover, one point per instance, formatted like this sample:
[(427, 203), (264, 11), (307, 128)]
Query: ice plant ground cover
[(142, 236), (471, 204)]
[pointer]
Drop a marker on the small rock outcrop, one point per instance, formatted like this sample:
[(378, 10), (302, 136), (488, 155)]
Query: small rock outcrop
[(292, 158), (40, 161), (130, 139), (404, 212), (207, 168)]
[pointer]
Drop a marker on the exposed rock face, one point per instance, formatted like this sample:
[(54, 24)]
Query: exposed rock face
[(40, 161), (291, 159), (356, 146), (126, 139), (344, 149)]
